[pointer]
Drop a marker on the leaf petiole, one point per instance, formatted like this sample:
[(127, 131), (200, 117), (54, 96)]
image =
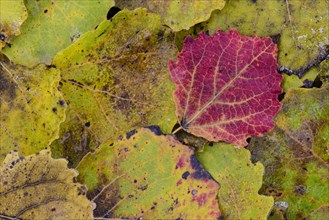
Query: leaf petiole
[(178, 129)]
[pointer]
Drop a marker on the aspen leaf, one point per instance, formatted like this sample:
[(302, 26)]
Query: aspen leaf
[(39, 187), (295, 153), (116, 79), (31, 107), (51, 26), (148, 175), (240, 181), (176, 14), (13, 14), (227, 86)]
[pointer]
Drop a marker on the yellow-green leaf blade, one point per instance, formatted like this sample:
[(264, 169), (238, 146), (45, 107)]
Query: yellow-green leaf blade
[(177, 14), (13, 14), (52, 25), (31, 107), (148, 175), (116, 79), (295, 153), (240, 181), (39, 187)]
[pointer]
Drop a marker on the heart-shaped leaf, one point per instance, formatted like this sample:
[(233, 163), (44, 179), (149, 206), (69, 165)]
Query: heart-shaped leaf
[(227, 86)]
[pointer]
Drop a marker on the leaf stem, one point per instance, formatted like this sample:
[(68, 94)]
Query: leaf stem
[(178, 129)]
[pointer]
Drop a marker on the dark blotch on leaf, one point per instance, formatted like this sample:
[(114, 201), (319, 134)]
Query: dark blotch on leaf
[(155, 129), (300, 189), (160, 35), (113, 11), (307, 83), (7, 87), (185, 175), (130, 133), (61, 102), (2, 37), (54, 110), (143, 187), (275, 38), (200, 172)]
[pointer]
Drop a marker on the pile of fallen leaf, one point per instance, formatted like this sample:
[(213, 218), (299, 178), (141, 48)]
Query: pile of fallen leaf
[(165, 109)]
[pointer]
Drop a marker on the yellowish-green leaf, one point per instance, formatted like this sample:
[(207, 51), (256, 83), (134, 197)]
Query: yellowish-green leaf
[(151, 176), (302, 25), (31, 107), (116, 79), (240, 181), (290, 82), (39, 187), (324, 71), (175, 13), (12, 15), (52, 25), (308, 80), (296, 153), (319, 214)]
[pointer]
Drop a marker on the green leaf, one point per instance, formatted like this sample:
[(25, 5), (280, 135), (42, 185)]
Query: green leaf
[(39, 187), (324, 71), (319, 214), (290, 82), (148, 175), (51, 26), (13, 14), (293, 81), (116, 79), (176, 14), (302, 25), (240, 181), (295, 153), (31, 107)]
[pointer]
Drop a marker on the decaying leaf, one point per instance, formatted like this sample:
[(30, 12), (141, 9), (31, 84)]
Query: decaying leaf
[(148, 175), (227, 86), (239, 179), (31, 107), (177, 14), (115, 79), (51, 26), (12, 15), (39, 187), (324, 71), (300, 28), (295, 154)]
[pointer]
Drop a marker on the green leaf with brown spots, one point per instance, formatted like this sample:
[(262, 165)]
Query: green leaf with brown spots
[(13, 14), (31, 106), (324, 71), (115, 79), (239, 179), (51, 26), (299, 27), (177, 14), (295, 154), (149, 175), (39, 187)]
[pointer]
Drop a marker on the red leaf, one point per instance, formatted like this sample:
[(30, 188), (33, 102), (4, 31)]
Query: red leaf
[(227, 86)]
